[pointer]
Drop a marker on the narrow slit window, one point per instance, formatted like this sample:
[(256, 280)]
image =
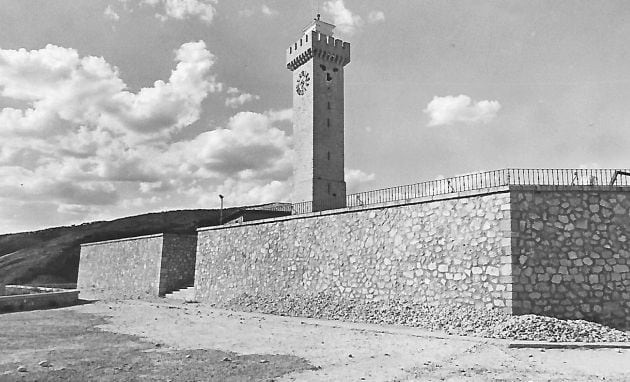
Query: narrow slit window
[(329, 155), (306, 38), (328, 105), (328, 122), (328, 188)]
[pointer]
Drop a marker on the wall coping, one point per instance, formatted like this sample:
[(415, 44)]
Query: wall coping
[(340, 211), (582, 188), (156, 235)]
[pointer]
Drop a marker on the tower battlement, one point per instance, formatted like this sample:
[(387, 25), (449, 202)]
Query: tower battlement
[(314, 43)]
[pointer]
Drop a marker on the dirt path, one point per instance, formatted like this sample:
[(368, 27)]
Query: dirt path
[(128, 331)]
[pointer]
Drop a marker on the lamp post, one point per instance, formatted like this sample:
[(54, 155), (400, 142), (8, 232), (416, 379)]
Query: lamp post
[(221, 210)]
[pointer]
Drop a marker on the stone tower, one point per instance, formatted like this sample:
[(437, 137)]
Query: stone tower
[(317, 61)]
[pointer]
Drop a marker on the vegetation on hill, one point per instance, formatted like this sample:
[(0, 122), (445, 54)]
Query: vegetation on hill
[(52, 255)]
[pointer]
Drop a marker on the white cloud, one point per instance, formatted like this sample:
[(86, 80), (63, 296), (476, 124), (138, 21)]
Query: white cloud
[(204, 10), (249, 147), (264, 10), (280, 115), (357, 180), (268, 11), (461, 109), (342, 17), (63, 89), (80, 140), (110, 14), (376, 16), (237, 99)]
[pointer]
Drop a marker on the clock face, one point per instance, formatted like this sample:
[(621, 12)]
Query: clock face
[(303, 81)]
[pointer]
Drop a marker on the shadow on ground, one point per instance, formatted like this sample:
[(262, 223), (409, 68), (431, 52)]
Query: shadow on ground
[(64, 345)]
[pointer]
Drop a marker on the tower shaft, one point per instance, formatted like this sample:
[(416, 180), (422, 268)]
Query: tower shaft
[(317, 61)]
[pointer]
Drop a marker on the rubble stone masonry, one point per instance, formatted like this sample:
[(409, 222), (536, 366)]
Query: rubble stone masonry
[(550, 250), (455, 249), (571, 252)]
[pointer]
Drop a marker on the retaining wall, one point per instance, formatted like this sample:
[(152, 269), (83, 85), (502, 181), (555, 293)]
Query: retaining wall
[(145, 266), (557, 251), (455, 249)]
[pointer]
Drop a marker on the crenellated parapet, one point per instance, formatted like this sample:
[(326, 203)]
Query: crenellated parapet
[(316, 44)]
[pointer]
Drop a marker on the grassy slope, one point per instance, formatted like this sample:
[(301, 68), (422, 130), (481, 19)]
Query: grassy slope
[(52, 255)]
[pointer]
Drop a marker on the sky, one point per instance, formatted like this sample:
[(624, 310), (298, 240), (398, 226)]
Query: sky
[(111, 108)]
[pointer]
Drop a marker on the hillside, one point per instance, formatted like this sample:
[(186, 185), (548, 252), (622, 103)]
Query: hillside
[(52, 255)]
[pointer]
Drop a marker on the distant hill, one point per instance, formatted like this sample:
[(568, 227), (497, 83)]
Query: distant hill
[(52, 255)]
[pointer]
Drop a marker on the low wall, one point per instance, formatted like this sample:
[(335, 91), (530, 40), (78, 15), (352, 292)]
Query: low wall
[(41, 300), (454, 248), (571, 252)]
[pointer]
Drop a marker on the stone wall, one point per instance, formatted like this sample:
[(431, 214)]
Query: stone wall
[(52, 299), (127, 268), (571, 252), (178, 262), (454, 249)]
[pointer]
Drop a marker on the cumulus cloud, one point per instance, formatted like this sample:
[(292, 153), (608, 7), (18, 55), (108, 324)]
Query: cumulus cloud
[(64, 89), (376, 16), (204, 10), (249, 147), (81, 146), (110, 14), (236, 98), (449, 110), (345, 20)]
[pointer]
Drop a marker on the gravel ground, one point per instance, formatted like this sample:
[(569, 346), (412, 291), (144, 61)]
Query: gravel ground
[(490, 323)]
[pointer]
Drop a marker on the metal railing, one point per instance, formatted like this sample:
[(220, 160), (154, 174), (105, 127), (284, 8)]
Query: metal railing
[(476, 181)]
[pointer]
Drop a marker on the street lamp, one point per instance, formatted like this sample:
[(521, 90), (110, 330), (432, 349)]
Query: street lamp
[(221, 211)]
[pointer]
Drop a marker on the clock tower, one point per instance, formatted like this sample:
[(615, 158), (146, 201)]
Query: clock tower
[(317, 61)]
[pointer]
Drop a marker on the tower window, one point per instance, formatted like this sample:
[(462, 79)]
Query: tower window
[(300, 42), (323, 67), (328, 105), (335, 70), (328, 188), (328, 122), (306, 38), (328, 77), (329, 155)]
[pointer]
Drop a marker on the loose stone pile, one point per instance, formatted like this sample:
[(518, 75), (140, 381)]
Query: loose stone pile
[(460, 320)]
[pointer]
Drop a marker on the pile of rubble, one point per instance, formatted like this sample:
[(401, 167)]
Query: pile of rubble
[(450, 318)]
